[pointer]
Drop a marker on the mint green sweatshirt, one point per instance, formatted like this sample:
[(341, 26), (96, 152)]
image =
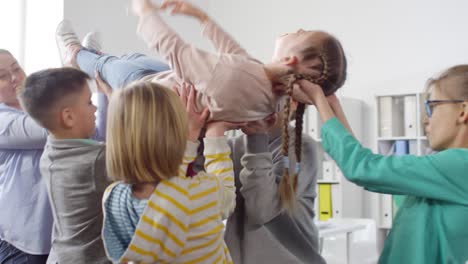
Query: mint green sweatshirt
[(431, 226)]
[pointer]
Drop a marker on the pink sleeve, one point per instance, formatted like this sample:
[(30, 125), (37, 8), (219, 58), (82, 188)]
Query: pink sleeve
[(222, 41), (187, 62)]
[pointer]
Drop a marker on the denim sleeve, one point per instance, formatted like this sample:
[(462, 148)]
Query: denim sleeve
[(19, 131)]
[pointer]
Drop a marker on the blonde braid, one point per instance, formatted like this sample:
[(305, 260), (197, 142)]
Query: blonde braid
[(285, 188), (298, 140)]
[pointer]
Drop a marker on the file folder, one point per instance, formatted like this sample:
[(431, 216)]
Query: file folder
[(325, 202), (391, 114), (410, 116)]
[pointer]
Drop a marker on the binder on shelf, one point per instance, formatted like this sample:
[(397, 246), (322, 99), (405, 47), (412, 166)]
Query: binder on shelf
[(325, 202), (410, 116), (413, 147), (328, 170), (386, 211), (338, 174), (391, 116), (313, 123), (401, 147), (321, 157), (337, 200)]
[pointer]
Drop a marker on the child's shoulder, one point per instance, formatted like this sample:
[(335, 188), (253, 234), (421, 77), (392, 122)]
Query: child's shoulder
[(75, 146), (74, 159)]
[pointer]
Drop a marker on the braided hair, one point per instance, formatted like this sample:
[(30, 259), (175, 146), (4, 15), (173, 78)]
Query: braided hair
[(288, 184)]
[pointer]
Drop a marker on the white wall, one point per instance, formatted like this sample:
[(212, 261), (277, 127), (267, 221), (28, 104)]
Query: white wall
[(11, 24), (117, 24), (42, 18), (28, 28)]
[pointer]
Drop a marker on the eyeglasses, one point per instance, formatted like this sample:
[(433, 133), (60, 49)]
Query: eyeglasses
[(429, 104)]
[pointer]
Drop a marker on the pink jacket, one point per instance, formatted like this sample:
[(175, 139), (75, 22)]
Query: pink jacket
[(232, 84)]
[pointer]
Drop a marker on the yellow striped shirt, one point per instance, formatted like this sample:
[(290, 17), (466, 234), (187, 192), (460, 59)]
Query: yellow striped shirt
[(182, 222)]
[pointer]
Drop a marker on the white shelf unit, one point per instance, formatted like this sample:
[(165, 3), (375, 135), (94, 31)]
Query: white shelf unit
[(346, 197), (400, 131)]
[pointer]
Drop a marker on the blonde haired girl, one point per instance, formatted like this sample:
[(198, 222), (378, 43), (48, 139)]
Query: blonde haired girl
[(154, 213)]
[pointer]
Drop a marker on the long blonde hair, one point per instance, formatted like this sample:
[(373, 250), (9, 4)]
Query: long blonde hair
[(146, 133)]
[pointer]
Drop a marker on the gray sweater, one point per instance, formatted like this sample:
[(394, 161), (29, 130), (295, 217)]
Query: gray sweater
[(75, 174), (259, 231)]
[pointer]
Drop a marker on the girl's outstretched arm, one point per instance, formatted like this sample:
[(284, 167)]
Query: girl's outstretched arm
[(187, 62), (221, 40)]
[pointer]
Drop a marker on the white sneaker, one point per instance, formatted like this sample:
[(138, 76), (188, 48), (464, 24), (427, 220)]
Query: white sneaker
[(68, 43), (92, 41)]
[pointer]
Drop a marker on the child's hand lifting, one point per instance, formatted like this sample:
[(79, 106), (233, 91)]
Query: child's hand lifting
[(102, 86), (196, 120), (184, 8)]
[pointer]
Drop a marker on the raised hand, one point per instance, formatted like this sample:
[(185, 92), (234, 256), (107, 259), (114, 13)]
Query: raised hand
[(196, 120), (180, 7), (102, 86), (307, 92)]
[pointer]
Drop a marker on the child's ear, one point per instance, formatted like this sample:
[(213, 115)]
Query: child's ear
[(67, 117), (464, 113), (289, 61)]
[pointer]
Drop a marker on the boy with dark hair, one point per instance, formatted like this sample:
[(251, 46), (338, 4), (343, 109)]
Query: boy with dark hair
[(73, 165)]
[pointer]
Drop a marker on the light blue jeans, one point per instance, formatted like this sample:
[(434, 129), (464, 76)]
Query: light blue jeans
[(118, 71)]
